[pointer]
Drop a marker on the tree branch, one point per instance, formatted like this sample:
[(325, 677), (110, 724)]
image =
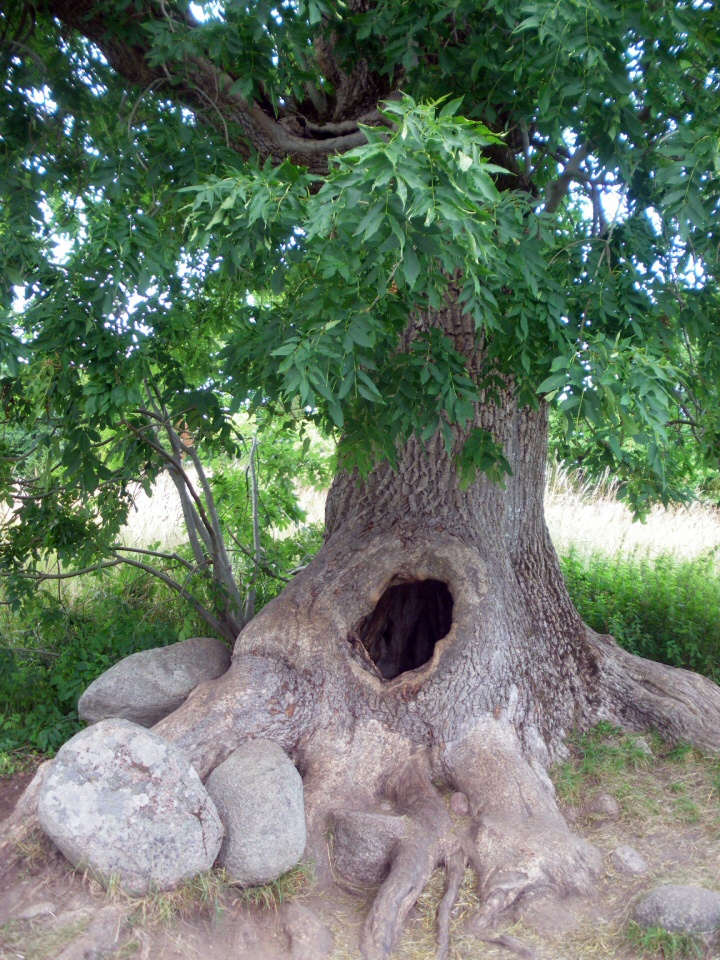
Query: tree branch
[(250, 602), (557, 189), (224, 629), (197, 82)]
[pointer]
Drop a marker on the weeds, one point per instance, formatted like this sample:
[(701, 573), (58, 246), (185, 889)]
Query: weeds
[(293, 885), (662, 608), (657, 943), (32, 941)]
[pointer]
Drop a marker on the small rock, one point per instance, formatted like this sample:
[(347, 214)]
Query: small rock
[(259, 795), (628, 861), (309, 937), (149, 685), (121, 800), (363, 844), (43, 909), (603, 805), (642, 745), (459, 804), (680, 909)]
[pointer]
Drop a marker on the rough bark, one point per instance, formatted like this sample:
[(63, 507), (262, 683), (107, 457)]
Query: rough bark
[(486, 677)]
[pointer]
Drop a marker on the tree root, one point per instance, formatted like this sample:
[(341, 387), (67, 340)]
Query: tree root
[(641, 694), (517, 843), (520, 845), (428, 842)]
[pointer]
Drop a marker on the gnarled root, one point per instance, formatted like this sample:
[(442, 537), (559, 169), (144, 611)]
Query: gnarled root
[(520, 845), (257, 697), (428, 842)]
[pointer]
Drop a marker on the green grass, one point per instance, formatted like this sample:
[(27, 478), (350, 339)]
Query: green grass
[(664, 608), (659, 944), (289, 886), (597, 754)]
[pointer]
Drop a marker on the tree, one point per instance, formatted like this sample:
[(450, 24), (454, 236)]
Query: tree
[(417, 224)]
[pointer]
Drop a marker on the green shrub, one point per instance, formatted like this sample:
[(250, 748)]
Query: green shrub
[(664, 608), (55, 646)]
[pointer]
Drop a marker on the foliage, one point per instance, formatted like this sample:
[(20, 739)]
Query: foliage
[(214, 205), (54, 647), (57, 648), (664, 608)]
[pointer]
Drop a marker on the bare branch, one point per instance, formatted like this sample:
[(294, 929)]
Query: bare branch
[(68, 575), (222, 628), (176, 558)]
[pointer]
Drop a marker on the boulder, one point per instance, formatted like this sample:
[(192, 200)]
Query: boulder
[(259, 796), (628, 861), (363, 844), (149, 685), (680, 909), (122, 801)]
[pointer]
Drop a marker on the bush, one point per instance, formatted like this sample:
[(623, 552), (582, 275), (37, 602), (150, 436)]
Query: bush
[(57, 645), (664, 608)]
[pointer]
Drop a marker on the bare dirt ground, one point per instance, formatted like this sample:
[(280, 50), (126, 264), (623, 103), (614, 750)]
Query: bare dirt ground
[(669, 812)]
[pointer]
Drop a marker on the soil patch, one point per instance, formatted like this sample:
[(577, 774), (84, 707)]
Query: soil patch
[(11, 789)]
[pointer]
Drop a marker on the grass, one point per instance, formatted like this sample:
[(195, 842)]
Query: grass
[(673, 785), (32, 940), (662, 608), (293, 885), (655, 943), (206, 895)]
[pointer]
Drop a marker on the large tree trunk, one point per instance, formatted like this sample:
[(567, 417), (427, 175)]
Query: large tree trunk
[(431, 647)]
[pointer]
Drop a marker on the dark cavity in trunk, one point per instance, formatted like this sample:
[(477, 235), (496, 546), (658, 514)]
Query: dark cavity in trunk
[(401, 632)]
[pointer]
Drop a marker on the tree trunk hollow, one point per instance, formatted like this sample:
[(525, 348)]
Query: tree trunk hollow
[(401, 632)]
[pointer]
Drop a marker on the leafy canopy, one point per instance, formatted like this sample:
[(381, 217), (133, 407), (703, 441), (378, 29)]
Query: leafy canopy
[(231, 206)]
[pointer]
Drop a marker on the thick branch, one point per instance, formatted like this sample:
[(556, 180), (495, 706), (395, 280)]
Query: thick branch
[(557, 189), (197, 84)]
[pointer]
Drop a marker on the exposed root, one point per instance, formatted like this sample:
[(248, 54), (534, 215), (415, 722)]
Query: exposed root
[(521, 846), (428, 842), (257, 697), (640, 694), (455, 866)]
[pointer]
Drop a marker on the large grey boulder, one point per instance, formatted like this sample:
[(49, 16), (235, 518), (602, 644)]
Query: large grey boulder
[(259, 795), (122, 801), (149, 685), (680, 909)]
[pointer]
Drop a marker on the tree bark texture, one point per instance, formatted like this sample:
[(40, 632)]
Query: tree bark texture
[(492, 668)]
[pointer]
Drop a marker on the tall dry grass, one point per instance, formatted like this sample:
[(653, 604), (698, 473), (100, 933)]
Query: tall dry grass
[(581, 516), (588, 518)]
